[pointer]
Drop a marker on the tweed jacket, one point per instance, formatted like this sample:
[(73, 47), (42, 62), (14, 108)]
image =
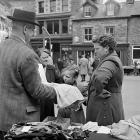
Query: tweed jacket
[(105, 99), (20, 84)]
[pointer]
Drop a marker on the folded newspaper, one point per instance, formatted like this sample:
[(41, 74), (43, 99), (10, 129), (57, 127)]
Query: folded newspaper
[(66, 94)]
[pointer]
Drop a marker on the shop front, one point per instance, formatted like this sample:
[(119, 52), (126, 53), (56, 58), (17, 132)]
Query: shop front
[(75, 51)]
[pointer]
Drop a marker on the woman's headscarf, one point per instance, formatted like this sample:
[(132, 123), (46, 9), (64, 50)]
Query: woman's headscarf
[(73, 69)]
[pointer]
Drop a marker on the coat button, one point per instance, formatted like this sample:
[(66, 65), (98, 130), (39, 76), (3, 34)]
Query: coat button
[(104, 117)]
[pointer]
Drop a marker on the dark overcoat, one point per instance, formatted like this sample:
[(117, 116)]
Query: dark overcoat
[(105, 99), (20, 84)]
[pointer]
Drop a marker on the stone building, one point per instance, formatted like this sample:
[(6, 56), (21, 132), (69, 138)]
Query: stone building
[(72, 24), (4, 22), (121, 20), (55, 16), (23, 4)]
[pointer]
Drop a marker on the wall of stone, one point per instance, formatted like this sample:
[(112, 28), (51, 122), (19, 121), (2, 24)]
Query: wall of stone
[(99, 28), (23, 4)]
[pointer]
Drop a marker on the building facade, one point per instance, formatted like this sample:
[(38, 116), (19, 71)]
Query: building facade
[(55, 16), (121, 20), (22, 4), (4, 22), (71, 25)]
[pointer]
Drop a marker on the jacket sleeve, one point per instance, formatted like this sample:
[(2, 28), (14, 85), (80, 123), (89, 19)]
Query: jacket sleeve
[(32, 81), (102, 76)]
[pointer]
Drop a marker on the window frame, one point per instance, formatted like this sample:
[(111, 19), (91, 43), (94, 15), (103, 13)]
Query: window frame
[(53, 6), (87, 11), (65, 5), (110, 9), (67, 26), (135, 47), (43, 8), (88, 34), (110, 26), (53, 28)]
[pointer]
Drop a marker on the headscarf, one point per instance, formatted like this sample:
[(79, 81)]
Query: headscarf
[(73, 69)]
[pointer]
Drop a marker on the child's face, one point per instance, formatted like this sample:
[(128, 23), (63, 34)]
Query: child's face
[(68, 78)]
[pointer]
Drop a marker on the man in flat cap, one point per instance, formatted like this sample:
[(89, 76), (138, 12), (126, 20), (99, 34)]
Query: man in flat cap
[(20, 82)]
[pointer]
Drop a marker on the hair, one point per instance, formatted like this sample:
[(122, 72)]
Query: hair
[(106, 41), (46, 51), (74, 70)]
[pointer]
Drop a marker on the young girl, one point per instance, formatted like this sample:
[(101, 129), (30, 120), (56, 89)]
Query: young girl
[(70, 75)]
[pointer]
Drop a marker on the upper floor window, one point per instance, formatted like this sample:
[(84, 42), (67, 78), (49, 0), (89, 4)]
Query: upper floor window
[(135, 52), (53, 27), (110, 30), (64, 5), (110, 9), (52, 5), (41, 6), (40, 27), (64, 26), (87, 34), (87, 11)]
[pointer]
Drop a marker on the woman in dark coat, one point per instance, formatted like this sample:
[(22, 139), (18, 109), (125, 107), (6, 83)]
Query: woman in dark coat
[(104, 95)]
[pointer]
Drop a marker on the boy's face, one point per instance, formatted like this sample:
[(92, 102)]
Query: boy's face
[(68, 78)]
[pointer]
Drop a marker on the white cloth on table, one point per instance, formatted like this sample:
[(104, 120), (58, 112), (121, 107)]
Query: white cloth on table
[(66, 94)]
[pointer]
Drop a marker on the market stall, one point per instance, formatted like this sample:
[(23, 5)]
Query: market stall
[(63, 129)]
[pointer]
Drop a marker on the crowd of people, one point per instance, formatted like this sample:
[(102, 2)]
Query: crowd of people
[(25, 98)]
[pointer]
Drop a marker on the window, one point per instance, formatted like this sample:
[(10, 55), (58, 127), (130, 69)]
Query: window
[(110, 9), (88, 34), (110, 30), (53, 27), (136, 52), (40, 27), (64, 26), (41, 6), (87, 11), (56, 27), (50, 27), (64, 5), (52, 5)]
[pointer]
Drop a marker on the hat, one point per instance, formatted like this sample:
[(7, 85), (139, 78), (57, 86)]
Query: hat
[(23, 16)]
